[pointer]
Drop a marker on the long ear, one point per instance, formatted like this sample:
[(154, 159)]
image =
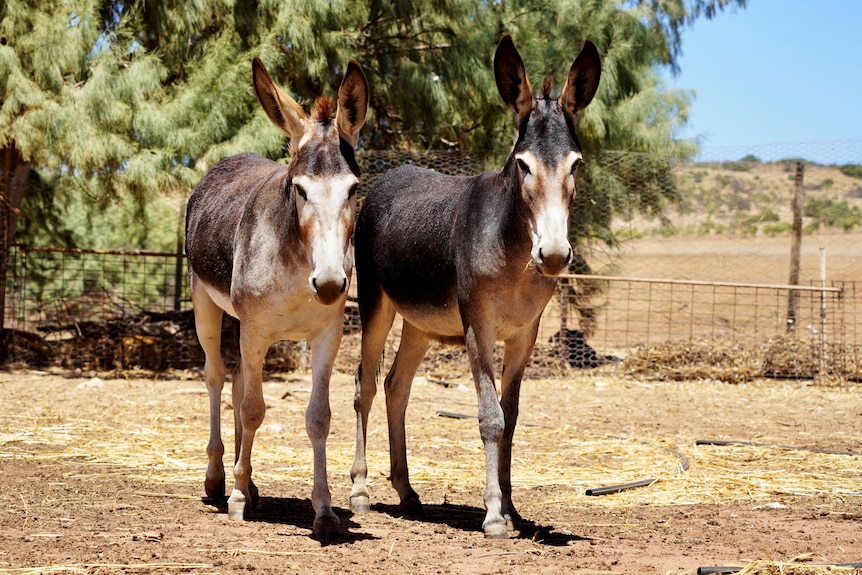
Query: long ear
[(352, 103), (512, 81), (279, 106), (583, 81)]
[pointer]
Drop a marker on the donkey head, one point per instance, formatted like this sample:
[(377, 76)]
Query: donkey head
[(323, 175), (547, 154)]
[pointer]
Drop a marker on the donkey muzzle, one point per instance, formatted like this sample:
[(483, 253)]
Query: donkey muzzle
[(553, 264), (327, 292)]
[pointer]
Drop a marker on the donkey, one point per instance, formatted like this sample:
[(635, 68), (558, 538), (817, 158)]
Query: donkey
[(269, 245), (472, 260)]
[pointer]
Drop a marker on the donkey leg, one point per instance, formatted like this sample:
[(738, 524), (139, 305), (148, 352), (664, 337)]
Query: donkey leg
[(252, 410), (480, 350), (376, 322), (515, 357), (208, 318), (397, 385), (317, 420), (237, 394)]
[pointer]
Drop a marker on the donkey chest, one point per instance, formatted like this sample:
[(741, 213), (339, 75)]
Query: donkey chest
[(513, 305), (503, 304)]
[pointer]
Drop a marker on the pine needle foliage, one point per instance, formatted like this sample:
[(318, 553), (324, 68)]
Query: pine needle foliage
[(138, 99)]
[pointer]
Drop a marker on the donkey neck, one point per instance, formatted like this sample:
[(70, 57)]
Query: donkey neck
[(274, 213), (499, 221), (292, 242)]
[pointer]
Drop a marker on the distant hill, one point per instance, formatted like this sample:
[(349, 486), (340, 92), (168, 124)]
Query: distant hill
[(749, 197)]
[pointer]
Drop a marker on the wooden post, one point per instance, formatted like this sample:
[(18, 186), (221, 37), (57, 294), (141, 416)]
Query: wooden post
[(795, 248)]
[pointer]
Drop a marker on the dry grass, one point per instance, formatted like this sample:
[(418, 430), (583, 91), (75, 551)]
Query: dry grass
[(161, 442), (111, 568), (796, 566), (734, 362)]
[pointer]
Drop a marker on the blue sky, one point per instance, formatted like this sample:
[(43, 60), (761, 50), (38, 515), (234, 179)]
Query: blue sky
[(779, 79)]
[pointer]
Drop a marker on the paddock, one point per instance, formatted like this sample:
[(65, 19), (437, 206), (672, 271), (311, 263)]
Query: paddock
[(104, 474)]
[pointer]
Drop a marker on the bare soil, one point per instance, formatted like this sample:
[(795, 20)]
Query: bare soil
[(105, 475)]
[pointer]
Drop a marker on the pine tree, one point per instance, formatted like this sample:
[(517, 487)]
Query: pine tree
[(105, 99)]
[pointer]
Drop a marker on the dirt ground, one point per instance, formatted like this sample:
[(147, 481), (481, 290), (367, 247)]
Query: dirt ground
[(105, 475)]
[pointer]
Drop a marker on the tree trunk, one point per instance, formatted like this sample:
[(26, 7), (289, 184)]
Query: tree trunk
[(14, 173)]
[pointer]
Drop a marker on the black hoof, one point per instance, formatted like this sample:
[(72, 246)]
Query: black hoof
[(412, 507)]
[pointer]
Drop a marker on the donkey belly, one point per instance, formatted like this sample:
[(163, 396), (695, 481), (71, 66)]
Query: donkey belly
[(441, 322), (220, 298)]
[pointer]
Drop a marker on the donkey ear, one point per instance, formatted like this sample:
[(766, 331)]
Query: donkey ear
[(279, 106), (352, 103), (583, 81), (512, 81)]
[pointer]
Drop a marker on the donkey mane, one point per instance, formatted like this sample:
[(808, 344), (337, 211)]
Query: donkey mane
[(322, 114), (547, 86), (324, 110)]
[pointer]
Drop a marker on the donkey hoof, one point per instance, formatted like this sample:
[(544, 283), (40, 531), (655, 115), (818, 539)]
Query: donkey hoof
[(215, 489), (412, 507), (253, 493), (236, 506), (499, 530), (326, 528), (236, 510), (512, 521), (360, 503)]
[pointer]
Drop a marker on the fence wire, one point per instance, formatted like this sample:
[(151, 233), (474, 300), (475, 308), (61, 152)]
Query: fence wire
[(726, 319)]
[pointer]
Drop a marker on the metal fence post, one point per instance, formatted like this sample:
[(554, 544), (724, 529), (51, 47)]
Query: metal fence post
[(564, 320)]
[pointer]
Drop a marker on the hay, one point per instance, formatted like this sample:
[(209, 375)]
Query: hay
[(783, 357), (170, 451), (161, 441), (721, 360), (108, 568), (796, 566)]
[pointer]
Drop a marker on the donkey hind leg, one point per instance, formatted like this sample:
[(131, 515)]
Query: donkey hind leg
[(317, 420), (480, 350), (515, 358), (376, 324), (252, 409), (399, 380), (208, 318)]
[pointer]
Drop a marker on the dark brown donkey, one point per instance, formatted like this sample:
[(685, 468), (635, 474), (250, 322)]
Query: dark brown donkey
[(269, 244), (471, 259)]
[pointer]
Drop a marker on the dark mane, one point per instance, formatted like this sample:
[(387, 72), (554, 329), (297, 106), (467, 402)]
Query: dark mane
[(547, 86), (324, 110)]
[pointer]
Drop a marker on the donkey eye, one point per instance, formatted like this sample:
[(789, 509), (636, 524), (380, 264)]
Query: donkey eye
[(575, 166), (352, 191), (523, 166), (300, 191)]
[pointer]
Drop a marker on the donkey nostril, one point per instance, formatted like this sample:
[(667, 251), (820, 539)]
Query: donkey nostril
[(344, 286), (541, 257), (314, 284), (569, 257)]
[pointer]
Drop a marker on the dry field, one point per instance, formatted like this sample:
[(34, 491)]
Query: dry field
[(105, 476)]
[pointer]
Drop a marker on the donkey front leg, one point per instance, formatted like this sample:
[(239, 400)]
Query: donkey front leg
[(515, 357), (480, 349), (252, 409), (317, 419)]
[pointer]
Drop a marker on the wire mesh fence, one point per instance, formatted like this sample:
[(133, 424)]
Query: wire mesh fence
[(697, 288)]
